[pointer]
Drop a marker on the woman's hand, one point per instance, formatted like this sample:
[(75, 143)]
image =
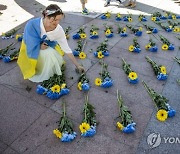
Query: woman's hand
[(44, 46)]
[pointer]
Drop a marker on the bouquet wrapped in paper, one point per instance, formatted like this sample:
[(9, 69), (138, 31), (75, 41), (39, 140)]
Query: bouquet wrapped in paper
[(159, 70), (135, 47), (136, 31), (164, 110), (105, 79), (88, 125), (126, 123), (128, 18), (142, 17), (151, 46), (132, 76), (10, 34), (94, 32), (108, 31), (122, 31), (83, 83), (166, 44), (4, 51), (106, 15), (79, 51), (80, 34), (118, 17), (67, 32), (65, 132)]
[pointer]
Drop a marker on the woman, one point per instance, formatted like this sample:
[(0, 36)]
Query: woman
[(43, 46)]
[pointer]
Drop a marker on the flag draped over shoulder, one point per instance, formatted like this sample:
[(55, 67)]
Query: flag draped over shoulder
[(30, 48)]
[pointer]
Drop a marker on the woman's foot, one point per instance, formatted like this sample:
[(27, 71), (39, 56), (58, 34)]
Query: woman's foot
[(129, 4), (85, 11)]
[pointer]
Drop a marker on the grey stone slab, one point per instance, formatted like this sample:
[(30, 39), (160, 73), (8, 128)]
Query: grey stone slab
[(18, 112), (3, 146), (10, 151)]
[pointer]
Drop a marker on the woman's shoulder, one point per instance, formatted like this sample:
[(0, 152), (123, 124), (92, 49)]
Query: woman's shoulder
[(34, 20)]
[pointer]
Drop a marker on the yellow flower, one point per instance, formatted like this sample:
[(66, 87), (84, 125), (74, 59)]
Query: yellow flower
[(140, 18), (67, 36), (131, 48), (176, 29), (83, 35), (84, 127), (118, 15), (130, 19), (63, 86), (82, 55), (164, 46), (100, 55), (17, 36), (98, 82), (173, 17), (163, 69), (153, 18), (162, 115), (108, 31), (124, 29), (79, 86), (140, 28), (57, 133), (148, 32), (133, 75), (148, 46), (56, 88), (166, 15), (95, 33), (120, 126), (108, 15)]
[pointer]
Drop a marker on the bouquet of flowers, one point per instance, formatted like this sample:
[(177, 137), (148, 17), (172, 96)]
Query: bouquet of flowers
[(142, 17), (166, 44), (83, 82), (93, 32), (105, 81), (11, 57), (174, 26), (135, 47), (128, 18), (156, 16), (67, 32), (80, 34), (108, 31), (102, 50), (122, 31), (136, 31), (166, 28), (118, 17), (151, 46), (54, 87), (106, 15), (10, 34), (79, 50), (88, 125), (19, 37), (171, 15), (150, 29), (126, 124), (65, 128), (159, 71), (164, 110), (4, 51)]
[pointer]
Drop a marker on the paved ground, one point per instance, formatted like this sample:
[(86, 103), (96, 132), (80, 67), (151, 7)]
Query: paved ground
[(27, 119)]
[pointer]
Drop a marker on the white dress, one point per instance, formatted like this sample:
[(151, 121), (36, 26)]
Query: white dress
[(49, 60)]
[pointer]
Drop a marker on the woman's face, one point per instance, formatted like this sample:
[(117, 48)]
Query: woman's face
[(54, 21)]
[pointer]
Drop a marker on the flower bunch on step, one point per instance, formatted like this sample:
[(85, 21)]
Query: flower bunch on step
[(4, 51), (166, 44), (122, 31), (174, 25), (106, 15), (105, 79), (83, 83), (55, 87), (166, 28), (171, 15), (156, 16), (142, 17), (65, 132), (151, 46), (10, 34), (126, 124), (159, 70), (118, 17), (12, 56), (80, 34), (135, 47), (128, 18), (136, 31), (88, 125), (19, 37), (132, 76), (150, 29), (79, 50), (102, 50), (94, 32), (108, 31), (164, 110), (67, 32)]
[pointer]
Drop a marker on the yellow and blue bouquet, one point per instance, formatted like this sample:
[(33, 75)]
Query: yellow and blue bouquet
[(151, 46), (106, 15), (166, 44), (83, 83), (118, 17), (128, 18), (79, 50), (136, 31), (135, 47), (108, 31), (174, 25), (156, 16), (166, 28), (67, 32), (150, 29), (12, 56), (80, 34), (4, 51), (122, 31), (142, 17), (170, 15), (94, 32)]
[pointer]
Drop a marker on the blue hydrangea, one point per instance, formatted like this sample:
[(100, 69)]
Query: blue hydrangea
[(171, 47), (103, 16), (157, 18), (133, 81), (123, 34), (41, 90), (163, 17), (170, 17), (20, 38), (66, 137), (107, 83), (94, 36), (177, 16), (162, 76), (85, 86), (125, 18), (154, 30), (53, 95), (137, 50), (95, 53), (144, 19), (138, 33), (105, 53), (76, 36), (89, 133), (153, 49), (110, 35), (6, 59), (64, 91), (118, 19), (76, 53), (168, 29), (130, 128), (1, 57), (171, 112)]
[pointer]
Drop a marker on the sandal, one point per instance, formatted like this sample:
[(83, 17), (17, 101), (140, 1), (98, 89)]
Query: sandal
[(129, 4), (133, 5)]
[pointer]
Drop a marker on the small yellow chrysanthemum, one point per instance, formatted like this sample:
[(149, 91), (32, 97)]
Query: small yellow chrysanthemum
[(140, 28), (162, 115), (120, 126), (124, 29), (84, 127), (131, 48), (130, 19), (148, 46), (133, 75), (140, 18), (176, 29), (108, 31), (82, 55), (63, 86), (17, 36), (165, 47), (118, 15), (166, 15), (100, 55), (148, 32), (95, 33), (173, 17), (108, 15), (79, 86), (153, 18), (83, 35), (57, 133), (98, 82), (56, 89), (163, 69)]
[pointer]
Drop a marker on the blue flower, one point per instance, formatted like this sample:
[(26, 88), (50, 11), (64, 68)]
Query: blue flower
[(133, 81), (171, 47), (95, 54), (85, 86), (76, 53), (144, 19), (76, 36), (163, 17), (6, 59), (118, 19), (53, 95), (110, 35), (107, 83), (123, 34), (64, 91), (153, 49), (105, 53), (103, 16), (162, 76), (138, 50), (170, 17), (20, 38), (129, 128), (138, 33), (94, 36), (171, 113), (41, 90), (157, 19), (177, 16), (125, 18), (89, 133), (168, 29), (1, 57), (154, 30)]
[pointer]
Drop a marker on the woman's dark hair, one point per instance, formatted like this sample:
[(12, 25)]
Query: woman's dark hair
[(52, 11)]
